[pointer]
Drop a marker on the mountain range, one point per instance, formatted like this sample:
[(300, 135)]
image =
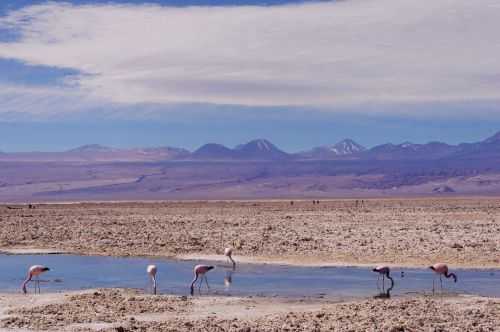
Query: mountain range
[(259, 149), (257, 169), (262, 149)]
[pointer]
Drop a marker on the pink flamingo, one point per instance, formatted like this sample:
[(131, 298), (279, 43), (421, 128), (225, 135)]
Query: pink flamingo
[(151, 269), (199, 271), (383, 271), (34, 271), (441, 270), (228, 252)]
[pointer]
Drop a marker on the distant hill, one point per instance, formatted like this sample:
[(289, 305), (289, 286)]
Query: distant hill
[(259, 149), (213, 151), (488, 148), (99, 153), (346, 147), (495, 139), (91, 148), (408, 150)]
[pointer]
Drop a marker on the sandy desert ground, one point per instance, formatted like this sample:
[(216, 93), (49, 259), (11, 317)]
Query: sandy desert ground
[(407, 232)]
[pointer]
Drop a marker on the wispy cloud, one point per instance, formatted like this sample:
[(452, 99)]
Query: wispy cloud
[(322, 54)]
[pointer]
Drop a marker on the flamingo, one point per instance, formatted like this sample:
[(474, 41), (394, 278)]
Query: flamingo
[(385, 272), (228, 252), (34, 271), (200, 270), (441, 269), (151, 269)]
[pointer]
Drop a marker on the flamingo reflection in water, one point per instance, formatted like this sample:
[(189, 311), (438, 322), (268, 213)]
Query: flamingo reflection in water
[(228, 279), (386, 294)]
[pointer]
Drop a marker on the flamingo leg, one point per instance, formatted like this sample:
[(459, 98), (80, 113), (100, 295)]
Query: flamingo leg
[(433, 282), (153, 286), (232, 262), (206, 280), (201, 283), (441, 281), (383, 283), (378, 281)]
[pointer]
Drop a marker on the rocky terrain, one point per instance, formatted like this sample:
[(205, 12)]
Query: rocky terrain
[(102, 306), (125, 310), (407, 232)]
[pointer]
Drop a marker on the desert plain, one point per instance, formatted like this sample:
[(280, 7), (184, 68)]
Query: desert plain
[(412, 232)]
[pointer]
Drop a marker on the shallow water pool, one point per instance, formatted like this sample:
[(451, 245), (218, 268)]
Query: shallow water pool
[(73, 272)]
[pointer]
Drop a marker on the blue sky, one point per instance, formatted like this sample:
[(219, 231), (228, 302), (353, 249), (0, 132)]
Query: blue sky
[(302, 74), (294, 134)]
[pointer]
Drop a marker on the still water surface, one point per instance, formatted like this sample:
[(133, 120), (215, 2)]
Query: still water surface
[(73, 272)]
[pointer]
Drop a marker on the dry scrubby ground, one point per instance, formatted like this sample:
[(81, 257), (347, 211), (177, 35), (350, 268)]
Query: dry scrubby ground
[(397, 316), (459, 231), (104, 306), (127, 311)]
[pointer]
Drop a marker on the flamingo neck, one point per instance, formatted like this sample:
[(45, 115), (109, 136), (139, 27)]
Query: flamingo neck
[(192, 283), (28, 279), (390, 278), (451, 275)]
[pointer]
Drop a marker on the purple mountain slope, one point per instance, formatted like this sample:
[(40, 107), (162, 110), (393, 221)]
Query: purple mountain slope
[(91, 148), (213, 151), (408, 150), (259, 149), (344, 148)]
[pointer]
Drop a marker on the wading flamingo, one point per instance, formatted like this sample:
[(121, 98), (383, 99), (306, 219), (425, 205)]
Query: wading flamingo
[(151, 269), (34, 271), (199, 271), (228, 252), (441, 270), (383, 271)]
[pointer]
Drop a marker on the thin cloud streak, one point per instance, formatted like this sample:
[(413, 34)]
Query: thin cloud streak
[(325, 55)]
